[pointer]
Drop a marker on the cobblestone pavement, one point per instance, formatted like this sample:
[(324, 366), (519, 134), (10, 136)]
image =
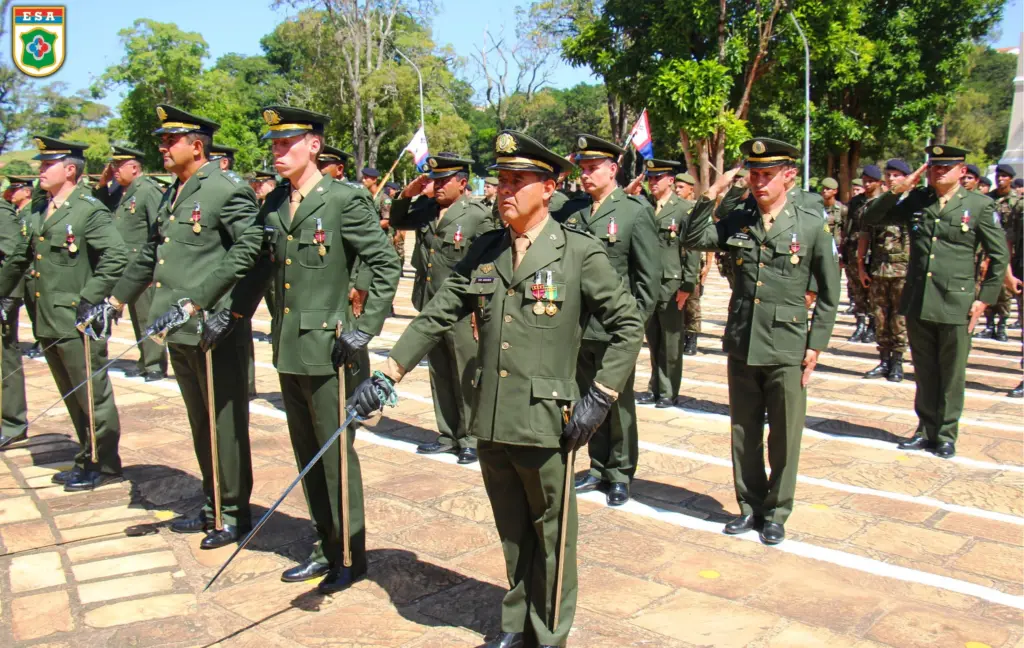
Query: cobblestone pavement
[(885, 548)]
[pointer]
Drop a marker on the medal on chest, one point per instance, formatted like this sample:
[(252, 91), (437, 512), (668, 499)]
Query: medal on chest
[(672, 229), (24, 228), (131, 206), (613, 230), (320, 237), (965, 221), (551, 294), (458, 237), (70, 240), (538, 290), (197, 214), (794, 249)]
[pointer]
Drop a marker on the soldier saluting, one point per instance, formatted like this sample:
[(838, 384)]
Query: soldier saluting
[(778, 247), (531, 286)]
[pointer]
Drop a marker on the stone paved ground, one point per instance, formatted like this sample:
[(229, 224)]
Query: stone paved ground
[(886, 548)]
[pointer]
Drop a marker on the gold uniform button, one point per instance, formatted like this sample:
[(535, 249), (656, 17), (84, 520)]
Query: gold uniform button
[(430, 265), (287, 286), (931, 256), (287, 261), (324, 325), (504, 346), (554, 393), (760, 265), (428, 278), (760, 283), (39, 256), (167, 239), (287, 310), (508, 318), (929, 274), (510, 292), (290, 237), (764, 248), (935, 238), (42, 238), (161, 261), (37, 294), (159, 285), (172, 217), (503, 373), (757, 301)]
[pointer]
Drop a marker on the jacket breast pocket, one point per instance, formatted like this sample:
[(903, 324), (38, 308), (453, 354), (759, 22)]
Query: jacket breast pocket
[(783, 259), (311, 254), (545, 312), (61, 255), (183, 230), (789, 328), (481, 290), (316, 336), (549, 398)]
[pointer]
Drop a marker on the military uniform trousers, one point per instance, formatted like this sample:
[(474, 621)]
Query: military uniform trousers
[(66, 359), (230, 400), (311, 405), (152, 356), (452, 371), (615, 447), (665, 342), (692, 310), (855, 290), (939, 352), (14, 408), (890, 326), (752, 390), (525, 485)]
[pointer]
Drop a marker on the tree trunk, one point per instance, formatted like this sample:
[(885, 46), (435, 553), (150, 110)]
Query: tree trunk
[(830, 165), (940, 133), (844, 174), (684, 141), (705, 162)]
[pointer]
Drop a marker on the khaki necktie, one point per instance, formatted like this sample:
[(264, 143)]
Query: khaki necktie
[(520, 245), (293, 202), (52, 207)]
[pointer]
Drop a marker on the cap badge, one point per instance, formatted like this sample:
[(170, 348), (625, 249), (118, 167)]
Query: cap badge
[(161, 113), (39, 144), (582, 142), (271, 117), (650, 164), (432, 163), (937, 150), (505, 143), (758, 147)]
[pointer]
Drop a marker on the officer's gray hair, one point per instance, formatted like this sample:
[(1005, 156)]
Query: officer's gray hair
[(77, 162), (206, 140), (462, 175)]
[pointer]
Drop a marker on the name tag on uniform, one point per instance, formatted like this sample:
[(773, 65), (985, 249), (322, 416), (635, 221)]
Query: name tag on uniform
[(740, 241), (483, 280)]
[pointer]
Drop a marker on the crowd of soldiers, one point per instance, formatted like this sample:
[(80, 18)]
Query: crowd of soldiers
[(533, 306)]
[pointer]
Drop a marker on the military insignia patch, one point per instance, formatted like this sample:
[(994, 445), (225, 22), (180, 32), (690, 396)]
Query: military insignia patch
[(758, 147), (937, 150), (39, 143), (826, 228), (572, 220), (161, 114), (271, 117), (487, 268), (37, 39), (582, 142), (505, 143)]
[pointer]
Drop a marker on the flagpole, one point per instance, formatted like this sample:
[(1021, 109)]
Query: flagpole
[(387, 175)]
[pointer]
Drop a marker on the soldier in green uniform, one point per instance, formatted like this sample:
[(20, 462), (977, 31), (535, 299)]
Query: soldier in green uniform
[(445, 226), (856, 290), (13, 232), (1016, 233), (134, 213), (76, 255), (683, 186), (856, 187), (972, 175), (624, 224), (263, 182), (889, 247), (490, 193), (224, 156), (1008, 208), (530, 335), (331, 162), (205, 240), (314, 229), (679, 280), (778, 246), (835, 211), (946, 224)]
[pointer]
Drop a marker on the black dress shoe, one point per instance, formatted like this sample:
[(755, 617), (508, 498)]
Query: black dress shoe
[(646, 398), (467, 455), (338, 579), (772, 533), (945, 450), (587, 483), (153, 376), (230, 534), (133, 373), (618, 494), (1017, 392), (505, 640), (197, 524), (742, 524), (6, 441), (665, 403), (435, 447), (304, 572), (91, 480), (917, 442), (66, 476)]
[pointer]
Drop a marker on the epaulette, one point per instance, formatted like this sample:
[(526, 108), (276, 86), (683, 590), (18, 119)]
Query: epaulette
[(89, 198), (578, 230), (234, 177)]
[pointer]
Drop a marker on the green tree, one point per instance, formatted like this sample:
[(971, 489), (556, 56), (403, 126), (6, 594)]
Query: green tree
[(980, 116), (53, 111), (14, 90), (98, 153)]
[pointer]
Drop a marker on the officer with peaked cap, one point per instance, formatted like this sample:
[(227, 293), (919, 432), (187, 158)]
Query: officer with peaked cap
[(777, 246), (947, 223), (625, 226), (530, 286), (206, 239), (223, 155), (315, 228), (445, 225), (331, 161), (679, 279), (135, 214), (263, 181), (14, 210), (75, 256)]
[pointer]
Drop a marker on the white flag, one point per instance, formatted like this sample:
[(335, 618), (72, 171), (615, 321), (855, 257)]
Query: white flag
[(418, 147)]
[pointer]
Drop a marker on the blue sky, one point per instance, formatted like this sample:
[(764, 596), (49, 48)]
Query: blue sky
[(238, 25)]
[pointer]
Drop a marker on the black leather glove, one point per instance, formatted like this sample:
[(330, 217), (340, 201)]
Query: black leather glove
[(217, 327), (7, 307), (169, 322), (588, 415), (82, 313), (347, 347), (370, 395)]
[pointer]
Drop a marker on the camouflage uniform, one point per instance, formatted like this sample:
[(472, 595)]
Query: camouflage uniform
[(1008, 208), (890, 253), (851, 228), (693, 315), (835, 217)]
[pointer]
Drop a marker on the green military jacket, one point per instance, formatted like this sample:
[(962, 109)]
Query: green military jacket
[(679, 270), (527, 373), (633, 250), (311, 289), (767, 322), (437, 250), (852, 227), (76, 254), (13, 233), (136, 212), (940, 279), (203, 265)]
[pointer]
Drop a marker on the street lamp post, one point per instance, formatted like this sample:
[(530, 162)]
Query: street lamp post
[(807, 104), (420, 76)]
